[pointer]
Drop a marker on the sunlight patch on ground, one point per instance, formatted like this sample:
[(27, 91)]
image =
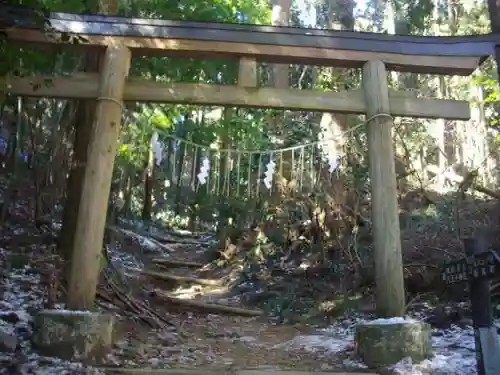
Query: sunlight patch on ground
[(194, 291)]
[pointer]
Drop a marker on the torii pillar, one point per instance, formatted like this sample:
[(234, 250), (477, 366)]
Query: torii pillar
[(87, 252), (389, 290)]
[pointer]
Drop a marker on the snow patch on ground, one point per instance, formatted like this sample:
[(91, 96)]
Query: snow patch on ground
[(454, 352), (143, 241), (389, 321), (22, 296), (124, 260)]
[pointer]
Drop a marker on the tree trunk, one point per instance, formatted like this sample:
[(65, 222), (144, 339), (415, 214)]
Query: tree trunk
[(225, 143), (179, 201), (148, 186), (186, 128), (439, 126), (127, 200), (198, 196), (333, 125), (281, 17), (494, 10), (13, 164), (280, 79)]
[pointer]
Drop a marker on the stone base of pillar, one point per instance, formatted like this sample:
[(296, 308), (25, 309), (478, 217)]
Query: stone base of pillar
[(385, 342)]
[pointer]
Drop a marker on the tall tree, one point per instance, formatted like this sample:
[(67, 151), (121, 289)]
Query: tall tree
[(281, 17), (494, 11), (339, 16)]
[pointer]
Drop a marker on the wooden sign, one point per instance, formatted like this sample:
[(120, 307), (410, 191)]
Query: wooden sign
[(477, 268), (483, 265)]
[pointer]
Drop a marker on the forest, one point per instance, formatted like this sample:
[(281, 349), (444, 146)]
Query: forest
[(240, 238)]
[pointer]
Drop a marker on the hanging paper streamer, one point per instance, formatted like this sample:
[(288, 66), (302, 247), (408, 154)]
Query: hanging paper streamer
[(333, 161), (157, 150), (304, 166), (23, 156), (204, 171), (268, 180), (3, 146)]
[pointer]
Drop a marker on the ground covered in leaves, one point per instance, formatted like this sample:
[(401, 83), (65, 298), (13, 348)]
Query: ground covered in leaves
[(181, 336), (183, 300)]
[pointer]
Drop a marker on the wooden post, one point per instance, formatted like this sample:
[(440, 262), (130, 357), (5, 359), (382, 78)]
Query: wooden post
[(485, 333), (390, 295), (247, 72), (87, 251)]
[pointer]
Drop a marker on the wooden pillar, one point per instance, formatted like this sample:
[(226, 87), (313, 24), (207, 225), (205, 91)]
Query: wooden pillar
[(390, 293), (86, 259), (85, 111)]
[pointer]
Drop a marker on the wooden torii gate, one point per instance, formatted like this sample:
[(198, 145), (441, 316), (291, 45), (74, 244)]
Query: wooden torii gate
[(118, 38)]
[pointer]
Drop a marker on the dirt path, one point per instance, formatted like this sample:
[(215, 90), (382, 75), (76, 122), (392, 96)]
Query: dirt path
[(222, 342), (211, 341)]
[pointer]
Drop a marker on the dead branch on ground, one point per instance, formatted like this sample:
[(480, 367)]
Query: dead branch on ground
[(176, 263), (207, 307), (180, 279)]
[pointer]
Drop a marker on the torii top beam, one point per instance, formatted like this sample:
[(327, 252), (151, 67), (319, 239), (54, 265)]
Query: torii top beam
[(418, 54)]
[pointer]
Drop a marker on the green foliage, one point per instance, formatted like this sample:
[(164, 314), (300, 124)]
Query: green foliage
[(418, 12), (248, 129)]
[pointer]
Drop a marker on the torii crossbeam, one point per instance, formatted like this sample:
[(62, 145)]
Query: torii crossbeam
[(457, 55)]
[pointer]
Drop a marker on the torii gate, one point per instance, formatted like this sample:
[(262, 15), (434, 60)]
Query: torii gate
[(118, 38)]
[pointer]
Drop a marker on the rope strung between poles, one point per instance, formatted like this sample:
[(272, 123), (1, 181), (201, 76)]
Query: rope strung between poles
[(221, 171), (105, 98)]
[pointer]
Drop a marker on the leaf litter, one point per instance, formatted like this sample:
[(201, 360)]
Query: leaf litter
[(208, 341)]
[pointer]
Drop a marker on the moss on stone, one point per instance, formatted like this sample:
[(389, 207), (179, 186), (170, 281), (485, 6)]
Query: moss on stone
[(73, 335), (382, 345)]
